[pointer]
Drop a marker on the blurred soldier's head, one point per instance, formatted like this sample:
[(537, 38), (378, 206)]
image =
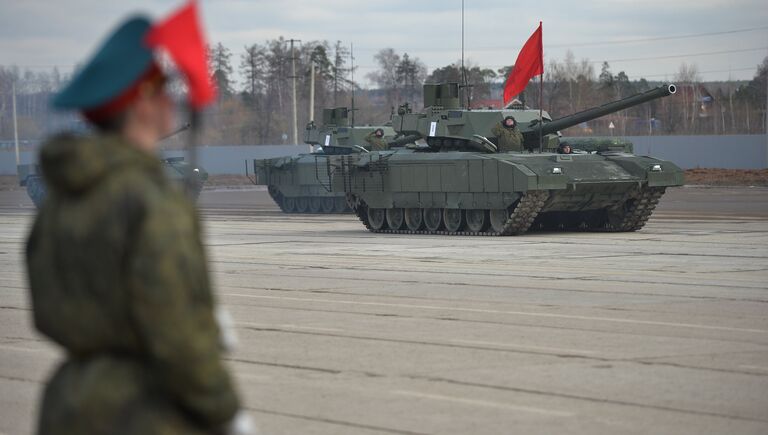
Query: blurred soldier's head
[(510, 122), (379, 132), (121, 89)]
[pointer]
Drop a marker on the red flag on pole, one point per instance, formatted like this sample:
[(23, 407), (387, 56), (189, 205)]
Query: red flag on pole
[(181, 35), (529, 63)]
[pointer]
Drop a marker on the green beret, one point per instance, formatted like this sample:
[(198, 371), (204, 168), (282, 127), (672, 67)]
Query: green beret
[(115, 67)]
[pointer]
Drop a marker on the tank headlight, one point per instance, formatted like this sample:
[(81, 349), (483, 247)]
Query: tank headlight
[(557, 171), (656, 168)]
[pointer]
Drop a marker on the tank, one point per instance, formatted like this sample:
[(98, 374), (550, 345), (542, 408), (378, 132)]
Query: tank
[(296, 184), (175, 168), (458, 184)]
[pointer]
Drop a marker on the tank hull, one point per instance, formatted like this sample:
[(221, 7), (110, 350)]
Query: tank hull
[(502, 194), (296, 184), (191, 180)]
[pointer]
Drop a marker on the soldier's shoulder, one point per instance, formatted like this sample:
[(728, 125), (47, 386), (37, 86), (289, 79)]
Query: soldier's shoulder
[(145, 188)]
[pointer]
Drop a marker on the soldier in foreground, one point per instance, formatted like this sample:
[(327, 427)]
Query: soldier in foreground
[(508, 136), (116, 267)]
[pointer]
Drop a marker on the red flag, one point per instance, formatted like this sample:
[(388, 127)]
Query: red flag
[(181, 35), (529, 63)]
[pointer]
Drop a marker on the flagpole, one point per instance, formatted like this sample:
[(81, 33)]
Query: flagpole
[(541, 88)]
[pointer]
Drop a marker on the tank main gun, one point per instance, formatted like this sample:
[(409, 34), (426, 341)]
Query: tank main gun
[(178, 130), (446, 126), (596, 112), (403, 140)]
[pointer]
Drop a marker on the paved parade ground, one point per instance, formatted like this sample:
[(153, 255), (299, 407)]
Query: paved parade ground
[(342, 331)]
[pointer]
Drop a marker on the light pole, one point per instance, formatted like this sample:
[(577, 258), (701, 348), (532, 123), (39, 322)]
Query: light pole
[(293, 76), (15, 125)]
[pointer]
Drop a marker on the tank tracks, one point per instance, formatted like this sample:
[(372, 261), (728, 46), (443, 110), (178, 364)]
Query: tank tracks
[(521, 216), (633, 213), (36, 190), (336, 208), (629, 215)]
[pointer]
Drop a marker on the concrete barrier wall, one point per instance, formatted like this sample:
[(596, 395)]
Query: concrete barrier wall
[(216, 160), (231, 159), (732, 152)]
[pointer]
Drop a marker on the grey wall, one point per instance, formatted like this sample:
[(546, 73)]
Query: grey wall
[(231, 159), (216, 160), (732, 152)]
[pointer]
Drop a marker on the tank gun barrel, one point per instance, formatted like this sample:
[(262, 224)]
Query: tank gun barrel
[(178, 130), (404, 140), (596, 112)]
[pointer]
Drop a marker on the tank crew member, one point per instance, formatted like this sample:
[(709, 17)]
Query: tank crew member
[(376, 140), (508, 137), (564, 148), (116, 267)]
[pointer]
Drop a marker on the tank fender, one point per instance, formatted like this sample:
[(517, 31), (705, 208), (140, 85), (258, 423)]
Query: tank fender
[(517, 175)]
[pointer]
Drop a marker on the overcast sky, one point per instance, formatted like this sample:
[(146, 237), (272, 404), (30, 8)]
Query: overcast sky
[(650, 38)]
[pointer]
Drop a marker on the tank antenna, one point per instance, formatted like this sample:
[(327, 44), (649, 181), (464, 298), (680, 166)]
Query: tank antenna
[(463, 70), (352, 70)]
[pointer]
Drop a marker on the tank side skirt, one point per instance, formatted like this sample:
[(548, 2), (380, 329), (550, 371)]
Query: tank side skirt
[(630, 215), (521, 216)]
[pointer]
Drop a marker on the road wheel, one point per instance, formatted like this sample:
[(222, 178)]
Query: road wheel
[(328, 204), (315, 204), (340, 204), (395, 218), (498, 218), (414, 220), (302, 204), (477, 220), (289, 204), (453, 218), (433, 218), (377, 218)]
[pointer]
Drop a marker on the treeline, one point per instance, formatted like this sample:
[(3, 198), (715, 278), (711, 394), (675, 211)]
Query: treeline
[(696, 108), (33, 92), (255, 103)]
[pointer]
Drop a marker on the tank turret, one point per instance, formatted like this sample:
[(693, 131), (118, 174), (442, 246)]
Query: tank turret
[(336, 136), (298, 184), (447, 127)]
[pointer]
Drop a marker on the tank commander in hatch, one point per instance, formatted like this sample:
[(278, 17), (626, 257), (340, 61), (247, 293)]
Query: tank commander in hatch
[(376, 140), (564, 148), (508, 137), (117, 271)]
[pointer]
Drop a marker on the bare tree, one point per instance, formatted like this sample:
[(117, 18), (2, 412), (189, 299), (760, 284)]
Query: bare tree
[(386, 76), (688, 80)]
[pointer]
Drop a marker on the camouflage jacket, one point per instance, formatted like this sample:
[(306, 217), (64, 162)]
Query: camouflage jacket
[(508, 139), (118, 278), (377, 143)]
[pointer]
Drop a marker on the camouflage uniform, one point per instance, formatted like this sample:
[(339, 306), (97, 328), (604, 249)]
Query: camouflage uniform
[(377, 143), (508, 139), (118, 278)]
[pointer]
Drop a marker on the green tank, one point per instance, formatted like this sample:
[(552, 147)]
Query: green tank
[(296, 184), (175, 168), (457, 184)]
